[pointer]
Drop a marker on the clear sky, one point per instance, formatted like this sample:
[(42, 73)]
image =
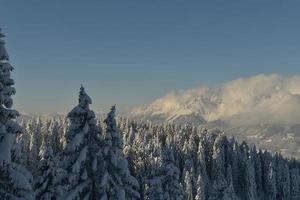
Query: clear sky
[(131, 52)]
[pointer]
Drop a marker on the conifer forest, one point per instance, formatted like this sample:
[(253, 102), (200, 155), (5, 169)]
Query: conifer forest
[(86, 156)]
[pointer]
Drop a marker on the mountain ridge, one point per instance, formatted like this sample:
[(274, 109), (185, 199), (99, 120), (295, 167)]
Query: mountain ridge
[(262, 109)]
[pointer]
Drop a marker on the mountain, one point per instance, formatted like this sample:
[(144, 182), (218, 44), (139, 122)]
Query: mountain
[(262, 109)]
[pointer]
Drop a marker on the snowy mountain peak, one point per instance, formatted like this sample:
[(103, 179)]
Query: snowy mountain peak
[(263, 109), (254, 100)]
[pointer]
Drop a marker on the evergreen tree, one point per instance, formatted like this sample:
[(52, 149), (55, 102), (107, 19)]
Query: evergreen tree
[(286, 183), (202, 171), (55, 136), (250, 181), (23, 141), (34, 148), (47, 177), (201, 189), (15, 180), (282, 178), (188, 185), (119, 183), (258, 170), (218, 170), (229, 192), (271, 183), (172, 187), (295, 184), (153, 186), (82, 158), (222, 177)]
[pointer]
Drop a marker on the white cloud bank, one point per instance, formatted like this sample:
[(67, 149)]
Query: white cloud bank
[(254, 100)]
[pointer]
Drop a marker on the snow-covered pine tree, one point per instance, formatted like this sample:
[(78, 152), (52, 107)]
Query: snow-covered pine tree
[(229, 192), (235, 166), (15, 180), (286, 183), (266, 160), (172, 187), (222, 187), (46, 176), (202, 171), (153, 189), (251, 189), (131, 135), (118, 181), (218, 170), (81, 157), (242, 167), (258, 170), (153, 185), (201, 189), (34, 147), (188, 186), (55, 136), (271, 183), (40, 132), (282, 178), (295, 184), (23, 141)]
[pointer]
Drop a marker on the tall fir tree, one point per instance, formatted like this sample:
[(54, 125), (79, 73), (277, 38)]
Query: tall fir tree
[(15, 180), (81, 159), (46, 177), (34, 147), (251, 188), (295, 184), (271, 183), (218, 170), (153, 186), (172, 187), (188, 185), (118, 181), (201, 189)]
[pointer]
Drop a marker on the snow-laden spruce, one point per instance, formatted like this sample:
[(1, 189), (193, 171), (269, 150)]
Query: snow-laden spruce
[(47, 174), (82, 157), (15, 180), (118, 182)]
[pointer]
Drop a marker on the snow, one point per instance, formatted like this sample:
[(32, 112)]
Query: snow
[(78, 110), (253, 100), (77, 140), (95, 167), (6, 66), (258, 109), (82, 157), (18, 179), (6, 142), (77, 190)]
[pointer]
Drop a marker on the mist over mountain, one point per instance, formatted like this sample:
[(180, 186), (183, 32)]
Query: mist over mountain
[(263, 109)]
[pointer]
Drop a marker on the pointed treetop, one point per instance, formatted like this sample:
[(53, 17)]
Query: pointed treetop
[(113, 109), (84, 99), (111, 114)]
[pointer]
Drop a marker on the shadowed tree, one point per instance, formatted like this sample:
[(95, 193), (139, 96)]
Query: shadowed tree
[(15, 180)]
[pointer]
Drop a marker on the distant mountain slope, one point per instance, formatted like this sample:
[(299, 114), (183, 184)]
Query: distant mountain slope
[(264, 109)]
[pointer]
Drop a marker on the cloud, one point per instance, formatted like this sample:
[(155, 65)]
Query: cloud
[(253, 100), (262, 99)]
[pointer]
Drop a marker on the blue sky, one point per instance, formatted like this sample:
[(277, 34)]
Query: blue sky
[(131, 52)]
